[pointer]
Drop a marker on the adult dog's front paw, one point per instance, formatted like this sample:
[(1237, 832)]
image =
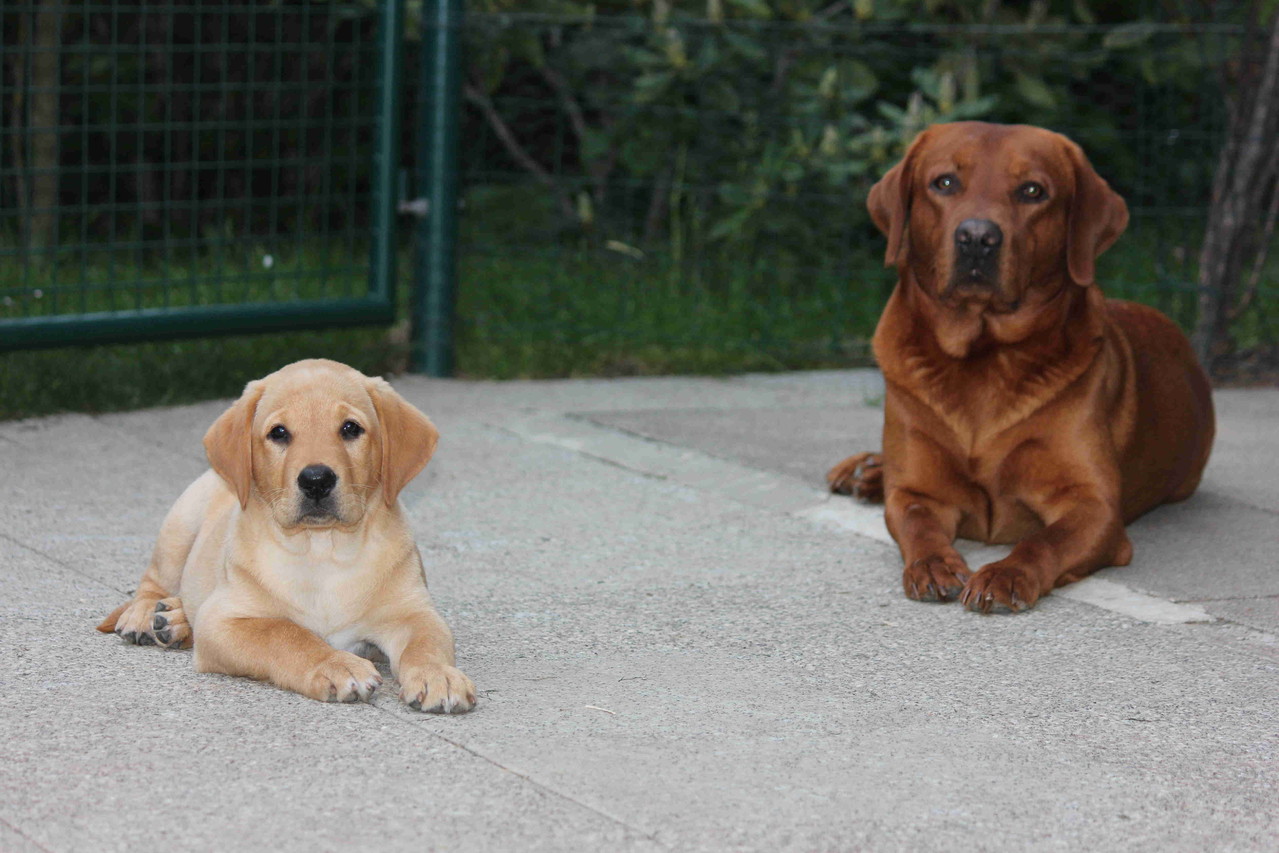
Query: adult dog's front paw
[(938, 577), (1001, 587), (437, 689), (341, 677)]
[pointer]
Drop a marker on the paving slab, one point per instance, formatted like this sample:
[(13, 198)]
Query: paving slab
[(672, 653)]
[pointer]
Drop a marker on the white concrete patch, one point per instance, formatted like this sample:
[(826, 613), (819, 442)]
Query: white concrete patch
[(1106, 594), (849, 515), (1116, 597), (781, 494)]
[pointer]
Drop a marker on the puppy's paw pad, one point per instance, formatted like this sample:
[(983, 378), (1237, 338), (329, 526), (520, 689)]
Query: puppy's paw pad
[(169, 624), (939, 577), (342, 677), (437, 689), (1000, 588), (861, 476), (135, 623)]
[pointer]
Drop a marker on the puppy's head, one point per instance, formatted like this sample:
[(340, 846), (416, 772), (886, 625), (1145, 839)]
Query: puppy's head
[(317, 442), (987, 213)]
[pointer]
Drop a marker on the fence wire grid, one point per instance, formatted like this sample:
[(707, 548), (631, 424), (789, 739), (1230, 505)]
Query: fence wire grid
[(183, 155), (669, 187)]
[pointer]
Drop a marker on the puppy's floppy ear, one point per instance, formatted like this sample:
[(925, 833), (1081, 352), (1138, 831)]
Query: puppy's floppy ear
[(408, 438), (229, 442), (889, 203), (1098, 215)]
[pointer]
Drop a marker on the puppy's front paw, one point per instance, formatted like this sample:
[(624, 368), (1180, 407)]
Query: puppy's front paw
[(137, 624), (341, 677), (938, 577), (1001, 587), (169, 624), (437, 689)]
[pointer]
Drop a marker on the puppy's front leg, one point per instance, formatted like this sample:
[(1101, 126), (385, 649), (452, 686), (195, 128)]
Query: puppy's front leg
[(420, 647), (285, 654)]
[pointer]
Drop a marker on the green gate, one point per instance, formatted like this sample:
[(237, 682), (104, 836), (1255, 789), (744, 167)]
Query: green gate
[(196, 168)]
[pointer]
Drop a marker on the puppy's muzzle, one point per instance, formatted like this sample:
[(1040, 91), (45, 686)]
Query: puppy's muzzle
[(977, 244), (317, 482)]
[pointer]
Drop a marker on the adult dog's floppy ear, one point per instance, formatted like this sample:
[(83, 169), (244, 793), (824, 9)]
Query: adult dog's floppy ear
[(229, 442), (408, 438), (1098, 215), (889, 204)]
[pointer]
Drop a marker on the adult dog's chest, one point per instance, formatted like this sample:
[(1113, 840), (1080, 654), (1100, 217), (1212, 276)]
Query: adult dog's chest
[(976, 437)]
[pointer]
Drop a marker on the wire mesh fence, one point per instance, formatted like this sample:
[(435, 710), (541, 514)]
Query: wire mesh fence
[(685, 190), (188, 167), (657, 186)]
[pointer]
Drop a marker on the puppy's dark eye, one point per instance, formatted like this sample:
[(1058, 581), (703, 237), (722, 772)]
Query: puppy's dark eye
[(1032, 192), (279, 434), (946, 184), (352, 430)]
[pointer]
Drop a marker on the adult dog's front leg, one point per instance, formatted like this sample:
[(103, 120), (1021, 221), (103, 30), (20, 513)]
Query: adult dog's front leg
[(1084, 533), (924, 528), (285, 654), (420, 647)]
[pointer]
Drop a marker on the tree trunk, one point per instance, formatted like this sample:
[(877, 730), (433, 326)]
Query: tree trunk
[(1246, 172)]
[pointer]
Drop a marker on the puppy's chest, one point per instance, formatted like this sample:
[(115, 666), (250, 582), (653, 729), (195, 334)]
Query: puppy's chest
[(326, 594)]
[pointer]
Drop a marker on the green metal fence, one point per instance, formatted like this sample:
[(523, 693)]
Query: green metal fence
[(670, 189), (175, 169), (684, 189)]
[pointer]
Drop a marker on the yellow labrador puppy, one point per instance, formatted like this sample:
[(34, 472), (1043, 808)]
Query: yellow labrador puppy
[(293, 552)]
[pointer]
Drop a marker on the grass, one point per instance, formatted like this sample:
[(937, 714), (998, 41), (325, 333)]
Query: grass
[(535, 307)]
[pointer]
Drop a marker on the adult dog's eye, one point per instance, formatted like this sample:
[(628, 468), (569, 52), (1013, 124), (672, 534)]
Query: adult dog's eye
[(279, 434), (352, 430), (1032, 192), (946, 184)]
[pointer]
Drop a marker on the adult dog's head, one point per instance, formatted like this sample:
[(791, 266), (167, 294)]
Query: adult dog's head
[(990, 218), (317, 441)]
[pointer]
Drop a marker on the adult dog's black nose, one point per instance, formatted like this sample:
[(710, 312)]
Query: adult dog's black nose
[(316, 481), (978, 238)]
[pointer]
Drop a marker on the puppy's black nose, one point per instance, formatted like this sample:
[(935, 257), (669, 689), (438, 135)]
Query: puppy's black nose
[(978, 238), (316, 481)]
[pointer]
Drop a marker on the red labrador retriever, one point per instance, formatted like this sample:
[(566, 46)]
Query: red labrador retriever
[(1021, 405)]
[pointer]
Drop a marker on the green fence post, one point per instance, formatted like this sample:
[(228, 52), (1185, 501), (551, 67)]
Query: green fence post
[(431, 345), (386, 155)]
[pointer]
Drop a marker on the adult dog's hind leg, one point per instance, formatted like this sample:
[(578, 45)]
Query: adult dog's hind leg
[(861, 476)]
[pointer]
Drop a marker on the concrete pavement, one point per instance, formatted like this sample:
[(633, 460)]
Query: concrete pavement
[(680, 643)]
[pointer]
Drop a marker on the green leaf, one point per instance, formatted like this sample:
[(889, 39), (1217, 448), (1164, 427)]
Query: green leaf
[(1034, 90), (745, 46), (649, 87), (731, 224), (752, 8), (1128, 35)]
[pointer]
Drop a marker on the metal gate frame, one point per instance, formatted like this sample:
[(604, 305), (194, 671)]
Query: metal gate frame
[(377, 307)]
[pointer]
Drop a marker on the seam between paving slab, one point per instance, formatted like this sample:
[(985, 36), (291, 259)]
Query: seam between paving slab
[(764, 490), (52, 559), (27, 838), (541, 786)]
